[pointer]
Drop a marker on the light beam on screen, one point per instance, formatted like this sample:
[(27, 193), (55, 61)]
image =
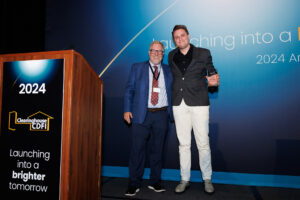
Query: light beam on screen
[(32, 70), (151, 22)]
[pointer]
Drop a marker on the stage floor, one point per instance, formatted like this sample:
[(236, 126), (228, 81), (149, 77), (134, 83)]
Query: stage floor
[(114, 188)]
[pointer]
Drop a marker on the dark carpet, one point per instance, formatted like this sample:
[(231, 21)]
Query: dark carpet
[(114, 188)]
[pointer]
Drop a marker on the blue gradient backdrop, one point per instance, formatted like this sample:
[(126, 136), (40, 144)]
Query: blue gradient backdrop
[(255, 115)]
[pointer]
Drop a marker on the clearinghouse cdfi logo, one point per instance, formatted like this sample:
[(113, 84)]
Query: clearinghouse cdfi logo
[(38, 121)]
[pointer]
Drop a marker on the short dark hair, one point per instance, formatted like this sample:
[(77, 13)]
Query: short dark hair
[(177, 27)]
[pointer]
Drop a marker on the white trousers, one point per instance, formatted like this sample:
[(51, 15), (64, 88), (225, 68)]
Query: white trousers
[(196, 118)]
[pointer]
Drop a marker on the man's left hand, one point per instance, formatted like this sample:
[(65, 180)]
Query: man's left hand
[(213, 81)]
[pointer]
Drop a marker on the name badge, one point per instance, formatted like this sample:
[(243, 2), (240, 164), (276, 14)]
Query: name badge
[(156, 90)]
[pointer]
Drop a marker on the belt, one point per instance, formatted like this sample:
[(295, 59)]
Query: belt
[(157, 109)]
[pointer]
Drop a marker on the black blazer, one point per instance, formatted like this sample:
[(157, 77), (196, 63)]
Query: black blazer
[(192, 86)]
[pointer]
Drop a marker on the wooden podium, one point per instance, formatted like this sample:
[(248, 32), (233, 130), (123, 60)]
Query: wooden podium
[(80, 132)]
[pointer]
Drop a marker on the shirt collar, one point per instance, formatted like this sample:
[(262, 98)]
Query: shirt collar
[(189, 53)]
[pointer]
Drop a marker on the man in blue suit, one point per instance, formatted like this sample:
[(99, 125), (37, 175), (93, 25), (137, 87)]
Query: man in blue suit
[(147, 105)]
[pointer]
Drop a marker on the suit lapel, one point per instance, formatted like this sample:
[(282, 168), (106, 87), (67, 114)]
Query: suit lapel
[(164, 71), (146, 73), (174, 64), (145, 81), (167, 80), (166, 77), (193, 61)]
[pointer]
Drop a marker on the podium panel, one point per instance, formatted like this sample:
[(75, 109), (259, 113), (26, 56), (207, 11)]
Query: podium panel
[(51, 123)]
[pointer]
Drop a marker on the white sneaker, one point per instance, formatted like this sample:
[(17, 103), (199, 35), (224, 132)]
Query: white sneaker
[(131, 191)]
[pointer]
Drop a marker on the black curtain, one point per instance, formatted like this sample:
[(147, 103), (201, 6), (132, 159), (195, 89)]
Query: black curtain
[(22, 27)]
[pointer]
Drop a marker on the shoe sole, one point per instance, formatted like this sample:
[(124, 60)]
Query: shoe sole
[(209, 193), (152, 188), (130, 195)]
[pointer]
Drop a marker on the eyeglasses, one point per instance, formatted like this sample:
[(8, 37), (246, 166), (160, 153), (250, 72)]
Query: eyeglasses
[(153, 51)]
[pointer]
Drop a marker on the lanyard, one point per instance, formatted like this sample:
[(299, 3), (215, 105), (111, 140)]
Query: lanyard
[(153, 72)]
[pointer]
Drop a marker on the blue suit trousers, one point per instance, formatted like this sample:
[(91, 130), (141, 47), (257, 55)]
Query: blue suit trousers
[(153, 132)]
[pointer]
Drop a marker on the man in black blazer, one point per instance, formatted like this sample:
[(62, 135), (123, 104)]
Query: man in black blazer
[(193, 72)]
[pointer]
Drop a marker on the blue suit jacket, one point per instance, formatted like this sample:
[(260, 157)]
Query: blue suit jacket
[(137, 89)]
